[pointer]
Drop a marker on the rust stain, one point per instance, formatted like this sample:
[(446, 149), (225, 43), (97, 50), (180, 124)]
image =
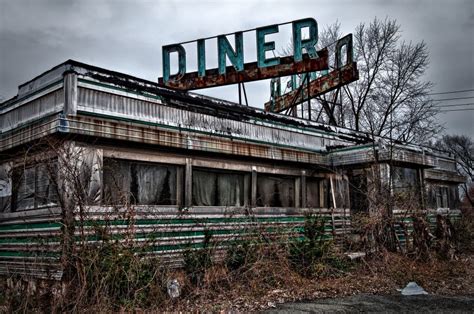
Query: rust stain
[(319, 86), (251, 72)]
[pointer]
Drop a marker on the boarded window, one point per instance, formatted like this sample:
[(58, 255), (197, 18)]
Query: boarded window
[(219, 188), (275, 191), (129, 182), (34, 187)]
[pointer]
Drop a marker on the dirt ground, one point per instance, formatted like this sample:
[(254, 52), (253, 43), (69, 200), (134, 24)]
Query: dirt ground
[(371, 286), (381, 303)]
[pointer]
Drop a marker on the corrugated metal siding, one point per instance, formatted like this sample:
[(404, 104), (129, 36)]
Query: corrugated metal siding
[(444, 175), (124, 107), (407, 156), (403, 223), (30, 243), (33, 110), (167, 233)]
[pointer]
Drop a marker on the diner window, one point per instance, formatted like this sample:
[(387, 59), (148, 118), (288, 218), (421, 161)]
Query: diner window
[(275, 191), (139, 183), (405, 179), (220, 188), (34, 187), (358, 193), (313, 192), (341, 192), (5, 187), (442, 197), (406, 189)]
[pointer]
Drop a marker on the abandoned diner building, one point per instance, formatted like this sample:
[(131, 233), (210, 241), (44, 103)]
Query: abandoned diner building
[(82, 145)]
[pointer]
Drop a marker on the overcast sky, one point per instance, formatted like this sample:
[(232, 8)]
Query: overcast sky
[(127, 36)]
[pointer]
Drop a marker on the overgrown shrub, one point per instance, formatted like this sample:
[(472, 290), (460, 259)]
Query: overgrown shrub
[(241, 254), (463, 233), (198, 260), (307, 254), (116, 275), (23, 295)]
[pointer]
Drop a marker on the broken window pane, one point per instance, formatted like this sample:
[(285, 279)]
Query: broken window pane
[(275, 191), (218, 188)]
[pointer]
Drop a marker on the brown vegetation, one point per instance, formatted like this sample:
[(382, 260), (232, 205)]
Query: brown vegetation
[(254, 274)]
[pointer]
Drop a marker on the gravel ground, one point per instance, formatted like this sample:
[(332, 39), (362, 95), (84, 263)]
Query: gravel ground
[(382, 303)]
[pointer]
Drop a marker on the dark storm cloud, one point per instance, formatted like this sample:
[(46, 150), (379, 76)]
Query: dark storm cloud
[(127, 36)]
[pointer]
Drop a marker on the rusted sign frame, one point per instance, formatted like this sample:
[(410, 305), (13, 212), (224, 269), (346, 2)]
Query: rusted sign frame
[(319, 86), (251, 72), (344, 73)]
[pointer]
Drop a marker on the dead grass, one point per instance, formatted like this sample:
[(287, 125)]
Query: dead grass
[(263, 275), (270, 282)]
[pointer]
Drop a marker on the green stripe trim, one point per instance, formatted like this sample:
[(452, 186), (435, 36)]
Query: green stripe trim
[(30, 226), (28, 254), (172, 221)]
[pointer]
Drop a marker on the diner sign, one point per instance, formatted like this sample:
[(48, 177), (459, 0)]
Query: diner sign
[(305, 58)]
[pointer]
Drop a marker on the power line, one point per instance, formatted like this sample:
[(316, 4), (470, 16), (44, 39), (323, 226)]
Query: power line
[(455, 105), (457, 98), (451, 110), (453, 92)]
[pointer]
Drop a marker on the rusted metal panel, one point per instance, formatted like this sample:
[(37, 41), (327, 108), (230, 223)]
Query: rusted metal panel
[(29, 133), (443, 175), (187, 140), (407, 156), (219, 124), (251, 72), (319, 86)]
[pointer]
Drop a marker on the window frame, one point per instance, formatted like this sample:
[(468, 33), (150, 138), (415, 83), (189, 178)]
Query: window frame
[(246, 186), (18, 173), (179, 186)]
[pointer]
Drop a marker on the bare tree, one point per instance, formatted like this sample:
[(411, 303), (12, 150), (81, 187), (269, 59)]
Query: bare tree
[(390, 98), (462, 147)]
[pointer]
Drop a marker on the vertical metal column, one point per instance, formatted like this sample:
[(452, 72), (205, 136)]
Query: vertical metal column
[(188, 186)]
